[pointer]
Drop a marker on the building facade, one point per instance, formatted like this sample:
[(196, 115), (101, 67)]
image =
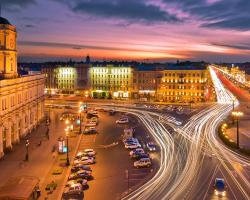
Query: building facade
[(185, 84), (21, 97), (111, 81), (145, 82), (66, 79)]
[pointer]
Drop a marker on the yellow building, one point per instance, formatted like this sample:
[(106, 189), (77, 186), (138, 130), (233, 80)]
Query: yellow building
[(146, 80), (21, 97), (8, 53), (66, 79), (237, 74), (111, 81), (185, 84)]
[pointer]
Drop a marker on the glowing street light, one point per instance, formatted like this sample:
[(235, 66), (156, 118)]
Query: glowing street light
[(237, 115), (67, 137)]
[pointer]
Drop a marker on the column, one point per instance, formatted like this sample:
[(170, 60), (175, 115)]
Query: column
[(1, 141), (16, 130), (8, 136)]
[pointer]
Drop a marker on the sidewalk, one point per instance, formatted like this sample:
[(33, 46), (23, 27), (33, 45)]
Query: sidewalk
[(41, 160), (244, 128)]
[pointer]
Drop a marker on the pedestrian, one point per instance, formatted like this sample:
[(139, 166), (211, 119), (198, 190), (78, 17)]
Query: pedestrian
[(54, 155)]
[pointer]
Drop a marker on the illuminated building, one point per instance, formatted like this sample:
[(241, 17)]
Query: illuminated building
[(111, 81), (238, 74), (145, 82), (21, 97), (66, 79), (185, 84)]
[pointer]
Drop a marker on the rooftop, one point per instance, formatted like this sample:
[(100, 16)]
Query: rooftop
[(4, 21)]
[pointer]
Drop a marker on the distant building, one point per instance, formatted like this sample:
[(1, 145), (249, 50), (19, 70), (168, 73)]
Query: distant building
[(145, 82), (66, 79), (111, 81), (185, 84), (21, 97)]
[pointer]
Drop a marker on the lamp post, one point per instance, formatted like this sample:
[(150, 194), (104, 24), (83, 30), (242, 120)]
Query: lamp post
[(27, 150), (233, 101), (236, 115), (80, 117), (67, 143)]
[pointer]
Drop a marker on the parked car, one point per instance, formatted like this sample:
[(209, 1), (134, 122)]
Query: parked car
[(127, 140), (91, 152), (93, 112), (138, 150), (219, 187), (144, 162), (81, 181), (82, 171), (132, 146), (140, 155), (90, 123), (85, 160), (122, 120), (75, 176), (78, 167), (94, 119), (151, 146), (89, 130), (81, 154), (70, 193)]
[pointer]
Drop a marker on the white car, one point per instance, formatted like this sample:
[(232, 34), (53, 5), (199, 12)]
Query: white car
[(94, 119), (85, 160), (122, 120), (76, 186), (138, 150), (91, 123), (94, 112), (90, 152), (143, 162), (132, 146)]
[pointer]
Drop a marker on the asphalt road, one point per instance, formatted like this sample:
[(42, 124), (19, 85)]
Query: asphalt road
[(112, 159), (192, 156)]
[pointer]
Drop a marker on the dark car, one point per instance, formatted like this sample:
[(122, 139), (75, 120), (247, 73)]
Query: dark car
[(72, 194), (140, 155), (78, 167), (74, 176), (219, 187)]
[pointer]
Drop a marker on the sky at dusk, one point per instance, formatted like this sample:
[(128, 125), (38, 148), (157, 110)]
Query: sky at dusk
[(154, 30)]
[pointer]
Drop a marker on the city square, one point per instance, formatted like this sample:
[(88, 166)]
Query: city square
[(92, 114)]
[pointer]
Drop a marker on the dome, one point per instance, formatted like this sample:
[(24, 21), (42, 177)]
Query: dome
[(4, 21)]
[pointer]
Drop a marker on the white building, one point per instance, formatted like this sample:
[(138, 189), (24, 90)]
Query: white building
[(21, 97)]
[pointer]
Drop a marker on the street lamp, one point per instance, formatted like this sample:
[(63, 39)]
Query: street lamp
[(27, 143), (233, 101), (80, 118), (236, 115), (67, 137)]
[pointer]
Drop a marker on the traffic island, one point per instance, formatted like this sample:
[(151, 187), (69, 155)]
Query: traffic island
[(225, 134)]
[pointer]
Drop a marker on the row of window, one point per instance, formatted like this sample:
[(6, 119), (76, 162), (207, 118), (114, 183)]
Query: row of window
[(17, 99), (110, 82), (109, 76), (198, 87)]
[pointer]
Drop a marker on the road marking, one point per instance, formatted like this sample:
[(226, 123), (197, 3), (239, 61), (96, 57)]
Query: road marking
[(209, 185)]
